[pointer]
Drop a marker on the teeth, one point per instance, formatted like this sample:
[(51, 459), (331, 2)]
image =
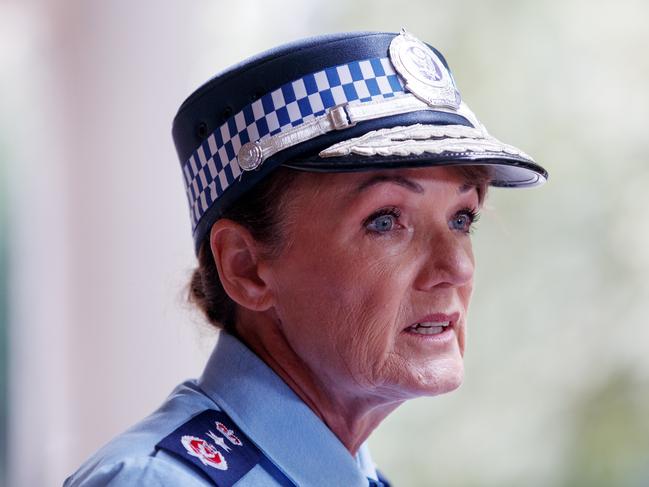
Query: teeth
[(433, 323), (429, 327)]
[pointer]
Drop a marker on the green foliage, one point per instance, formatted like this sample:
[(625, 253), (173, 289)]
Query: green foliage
[(610, 436)]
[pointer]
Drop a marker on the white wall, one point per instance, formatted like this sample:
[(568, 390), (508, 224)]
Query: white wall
[(100, 237)]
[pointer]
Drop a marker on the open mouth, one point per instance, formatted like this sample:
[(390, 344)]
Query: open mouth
[(428, 327)]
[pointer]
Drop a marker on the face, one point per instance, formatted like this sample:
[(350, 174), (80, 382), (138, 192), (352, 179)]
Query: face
[(372, 287)]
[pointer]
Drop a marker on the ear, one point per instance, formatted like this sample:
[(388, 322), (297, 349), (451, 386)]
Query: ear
[(238, 256)]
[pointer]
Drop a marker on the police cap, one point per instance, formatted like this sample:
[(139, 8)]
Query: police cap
[(345, 102)]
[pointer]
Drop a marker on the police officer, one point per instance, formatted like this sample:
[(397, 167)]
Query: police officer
[(364, 307)]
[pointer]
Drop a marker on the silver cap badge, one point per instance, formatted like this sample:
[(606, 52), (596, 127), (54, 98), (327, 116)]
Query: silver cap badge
[(423, 72)]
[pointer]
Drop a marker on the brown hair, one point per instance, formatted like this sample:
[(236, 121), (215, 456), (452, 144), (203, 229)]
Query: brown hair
[(260, 211)]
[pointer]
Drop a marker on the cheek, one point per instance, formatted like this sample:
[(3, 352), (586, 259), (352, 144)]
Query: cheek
[(375, 315), (345, 308)]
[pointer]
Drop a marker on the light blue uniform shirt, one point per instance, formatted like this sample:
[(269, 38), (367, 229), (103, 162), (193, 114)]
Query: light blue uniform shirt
[(260, 404)]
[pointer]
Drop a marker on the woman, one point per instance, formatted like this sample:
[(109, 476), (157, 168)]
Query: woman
[(333, 184)]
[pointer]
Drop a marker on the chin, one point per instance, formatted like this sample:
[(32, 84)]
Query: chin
[(440, 379)]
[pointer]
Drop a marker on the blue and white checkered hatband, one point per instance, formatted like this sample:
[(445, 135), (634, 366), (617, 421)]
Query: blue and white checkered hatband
[(213, 166)]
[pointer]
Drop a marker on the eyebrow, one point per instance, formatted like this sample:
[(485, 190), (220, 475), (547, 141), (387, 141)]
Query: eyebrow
[(467, 187), (387, 178), (401, 181)]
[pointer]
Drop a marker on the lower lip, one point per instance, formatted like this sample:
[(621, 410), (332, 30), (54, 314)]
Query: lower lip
[(445, 337)]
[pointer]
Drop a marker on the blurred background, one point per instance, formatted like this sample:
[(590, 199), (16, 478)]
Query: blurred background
[(95, 246)]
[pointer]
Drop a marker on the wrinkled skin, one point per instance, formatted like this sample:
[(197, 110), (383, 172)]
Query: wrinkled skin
[(348, 283)]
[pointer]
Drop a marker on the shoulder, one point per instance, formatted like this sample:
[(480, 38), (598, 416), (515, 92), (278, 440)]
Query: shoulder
[(188, 442), (137, 470), (132, 456), (159, 470)]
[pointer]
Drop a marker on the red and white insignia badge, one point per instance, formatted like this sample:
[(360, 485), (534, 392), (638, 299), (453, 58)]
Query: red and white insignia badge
[(228, 433), (204, 451)]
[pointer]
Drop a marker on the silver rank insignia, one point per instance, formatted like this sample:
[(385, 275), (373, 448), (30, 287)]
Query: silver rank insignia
[(423, 72)]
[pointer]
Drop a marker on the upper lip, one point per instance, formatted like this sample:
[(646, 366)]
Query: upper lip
[(452, 318)]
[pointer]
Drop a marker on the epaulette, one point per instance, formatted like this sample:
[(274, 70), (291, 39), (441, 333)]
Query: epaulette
[(214, 444)]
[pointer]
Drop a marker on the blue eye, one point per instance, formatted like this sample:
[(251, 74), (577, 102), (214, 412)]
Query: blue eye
[(383, 221), (463, 220)]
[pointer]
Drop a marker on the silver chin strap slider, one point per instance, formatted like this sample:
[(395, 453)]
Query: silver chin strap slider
[(339, 117)]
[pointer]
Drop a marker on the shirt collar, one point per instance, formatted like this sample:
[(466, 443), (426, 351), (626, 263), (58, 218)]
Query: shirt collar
[(277, 420)]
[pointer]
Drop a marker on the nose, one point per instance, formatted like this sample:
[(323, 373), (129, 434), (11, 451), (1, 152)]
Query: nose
[(449, 262)]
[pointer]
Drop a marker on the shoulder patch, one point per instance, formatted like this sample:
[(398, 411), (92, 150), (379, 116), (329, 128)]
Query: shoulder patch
[(214, 444)]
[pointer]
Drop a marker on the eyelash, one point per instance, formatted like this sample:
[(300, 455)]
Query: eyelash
[(474, 217), (389, 211), (472, 213)]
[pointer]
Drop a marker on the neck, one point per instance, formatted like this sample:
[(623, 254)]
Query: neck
[(350, 415)]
